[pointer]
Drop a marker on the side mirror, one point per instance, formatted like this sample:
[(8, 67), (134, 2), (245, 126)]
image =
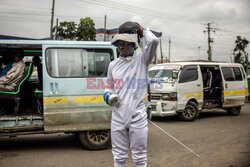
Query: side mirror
[(175, 74)]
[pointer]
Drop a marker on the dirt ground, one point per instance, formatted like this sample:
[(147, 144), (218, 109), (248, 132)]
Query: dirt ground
[(220, 140)]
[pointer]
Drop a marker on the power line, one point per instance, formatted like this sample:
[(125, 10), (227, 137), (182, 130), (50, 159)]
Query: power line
[(11, 5), (133, 9), (223, 29), (22, 13)]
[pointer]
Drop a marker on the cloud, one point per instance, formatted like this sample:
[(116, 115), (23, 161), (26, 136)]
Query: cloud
[(182, 21), (216, 11)]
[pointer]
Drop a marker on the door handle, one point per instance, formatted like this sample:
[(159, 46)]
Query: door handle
[(198, 84), (226, 85), (54, 87)]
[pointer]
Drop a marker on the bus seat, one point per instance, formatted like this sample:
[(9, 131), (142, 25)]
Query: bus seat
[(16, 94)]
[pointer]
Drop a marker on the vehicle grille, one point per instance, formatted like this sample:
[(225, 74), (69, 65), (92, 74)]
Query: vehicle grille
[(156, 96), (153, 108)]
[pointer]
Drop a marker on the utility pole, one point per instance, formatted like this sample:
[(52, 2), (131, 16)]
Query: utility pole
[(247, 63), (52, 19), (169, 44), (56, 28), (231, 59), (199, 52), (105, 21), (209, 39), (234, 57), (155, 59), (161, 51)]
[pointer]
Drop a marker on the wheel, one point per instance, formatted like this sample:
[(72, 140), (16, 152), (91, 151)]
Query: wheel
[(190, 112), (234, 111), (95, 139)]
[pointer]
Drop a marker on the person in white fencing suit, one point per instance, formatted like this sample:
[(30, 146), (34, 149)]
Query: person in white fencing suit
[(126, 89)]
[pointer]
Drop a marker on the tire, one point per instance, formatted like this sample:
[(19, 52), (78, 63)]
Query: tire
[(95, 139), (234, 111), (190, 112)]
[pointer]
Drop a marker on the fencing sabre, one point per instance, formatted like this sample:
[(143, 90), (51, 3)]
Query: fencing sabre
[(174, 138)]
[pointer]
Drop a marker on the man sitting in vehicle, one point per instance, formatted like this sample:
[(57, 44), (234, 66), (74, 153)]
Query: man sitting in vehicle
[(8, 82), (7, 62)]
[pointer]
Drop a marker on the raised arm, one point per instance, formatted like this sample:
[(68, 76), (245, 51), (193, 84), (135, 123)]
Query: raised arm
[(151, 46)]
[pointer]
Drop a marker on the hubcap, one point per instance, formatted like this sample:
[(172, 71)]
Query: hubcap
[(98, 137), (189, 112)]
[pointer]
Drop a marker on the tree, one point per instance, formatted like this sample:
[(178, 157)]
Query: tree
[(86, 30), (67, 30), (241, 56)]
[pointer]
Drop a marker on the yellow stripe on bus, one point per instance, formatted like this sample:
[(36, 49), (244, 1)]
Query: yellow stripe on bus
[(227, 92), (246, 90), (56, 100), (88, 99), (190, 95), (235, 92), (200, 94), (238, 91)]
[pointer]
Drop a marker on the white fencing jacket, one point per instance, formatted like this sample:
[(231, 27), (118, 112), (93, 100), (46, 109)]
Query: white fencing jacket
[(129, 78)]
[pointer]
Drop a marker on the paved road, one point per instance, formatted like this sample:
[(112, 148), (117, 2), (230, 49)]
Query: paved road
[(220, 140)]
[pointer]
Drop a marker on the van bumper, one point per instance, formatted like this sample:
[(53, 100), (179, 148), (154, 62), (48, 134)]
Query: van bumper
[(163, 108)]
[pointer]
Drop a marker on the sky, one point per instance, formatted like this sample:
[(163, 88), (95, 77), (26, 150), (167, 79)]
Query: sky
[(181, 21)]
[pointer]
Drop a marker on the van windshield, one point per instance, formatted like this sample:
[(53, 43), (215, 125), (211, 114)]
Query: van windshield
[(163, 72)]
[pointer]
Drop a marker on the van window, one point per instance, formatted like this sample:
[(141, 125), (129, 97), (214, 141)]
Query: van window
[(77, 62), (188, 73), (237, 74), (160, 73), (242, 70), (232, 73)]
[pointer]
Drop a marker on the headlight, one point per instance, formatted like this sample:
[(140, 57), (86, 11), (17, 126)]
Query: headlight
[(165, 96), (172, 96)]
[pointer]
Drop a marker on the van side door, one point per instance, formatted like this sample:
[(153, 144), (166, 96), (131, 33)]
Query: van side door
[(74, 80), (233, 85), (190, 86)]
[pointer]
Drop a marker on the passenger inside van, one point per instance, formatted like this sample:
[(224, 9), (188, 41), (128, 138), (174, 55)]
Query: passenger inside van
[(37, 62), (1, 62), (7, 62), (14, 74)]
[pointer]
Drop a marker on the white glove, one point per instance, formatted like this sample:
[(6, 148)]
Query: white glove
[(114, 100)]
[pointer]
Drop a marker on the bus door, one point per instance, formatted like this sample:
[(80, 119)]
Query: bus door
[(73, 84)]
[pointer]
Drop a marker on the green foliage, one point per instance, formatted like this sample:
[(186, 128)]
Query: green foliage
[(67, 30), (241, 56), (86, 30)]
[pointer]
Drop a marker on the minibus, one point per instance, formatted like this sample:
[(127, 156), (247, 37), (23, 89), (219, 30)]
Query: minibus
[(188, 88), (62, 94)]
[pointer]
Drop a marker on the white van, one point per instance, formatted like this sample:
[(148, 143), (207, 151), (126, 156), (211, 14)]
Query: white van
[(68, 97), (187, 88)]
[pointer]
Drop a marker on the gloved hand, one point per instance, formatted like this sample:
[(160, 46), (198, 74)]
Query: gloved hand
[(111, 99)]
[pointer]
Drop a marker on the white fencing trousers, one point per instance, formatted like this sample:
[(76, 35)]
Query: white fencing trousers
[(134, 137)]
